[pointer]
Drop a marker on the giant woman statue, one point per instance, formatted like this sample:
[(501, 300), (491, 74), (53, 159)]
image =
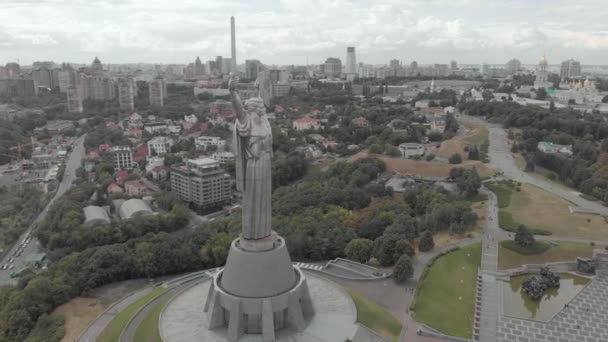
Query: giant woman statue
[(253, 151)]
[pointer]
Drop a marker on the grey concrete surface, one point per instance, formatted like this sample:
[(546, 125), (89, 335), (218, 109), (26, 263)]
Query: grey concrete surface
[(74, 162), (334, 319)]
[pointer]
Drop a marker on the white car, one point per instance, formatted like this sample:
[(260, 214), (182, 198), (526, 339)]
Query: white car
[(5, 266), (11, 267), (11, 260)]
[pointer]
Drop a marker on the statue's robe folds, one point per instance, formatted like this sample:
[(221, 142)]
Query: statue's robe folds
[(253, 151)]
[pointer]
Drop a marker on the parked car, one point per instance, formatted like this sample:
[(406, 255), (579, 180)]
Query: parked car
[(20, 251), (11, 267), (11, 260), (5, 266)]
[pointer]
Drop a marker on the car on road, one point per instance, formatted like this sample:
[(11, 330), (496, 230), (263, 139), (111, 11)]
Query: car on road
[(5, 266), (20, 251), (11, 260), (11, 267), (28, 240)]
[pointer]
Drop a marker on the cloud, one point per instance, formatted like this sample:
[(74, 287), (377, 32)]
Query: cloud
[(287, 30)]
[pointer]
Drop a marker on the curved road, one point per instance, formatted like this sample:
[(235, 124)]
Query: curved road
[(501, 159)]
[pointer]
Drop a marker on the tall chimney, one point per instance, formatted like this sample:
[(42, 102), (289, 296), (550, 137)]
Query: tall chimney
[(233, 45)]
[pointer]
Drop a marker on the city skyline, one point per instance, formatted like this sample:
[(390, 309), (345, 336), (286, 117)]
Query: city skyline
[(430, 32)]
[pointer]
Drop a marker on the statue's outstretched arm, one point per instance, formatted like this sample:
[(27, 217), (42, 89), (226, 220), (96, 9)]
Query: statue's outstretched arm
[(236, 99)]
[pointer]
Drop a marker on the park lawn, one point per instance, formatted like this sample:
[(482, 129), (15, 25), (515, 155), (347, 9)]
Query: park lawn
[(446, 295), (539, 172), (564, 251), (542, 210), (112, 332), (375, 317), (478, 135), (475, 135), (148, 329)]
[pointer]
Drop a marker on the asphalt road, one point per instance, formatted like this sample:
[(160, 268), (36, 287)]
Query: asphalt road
[(74, 162), (502, 159)]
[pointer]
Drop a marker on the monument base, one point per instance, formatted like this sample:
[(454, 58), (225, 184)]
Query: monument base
[(258, 292)]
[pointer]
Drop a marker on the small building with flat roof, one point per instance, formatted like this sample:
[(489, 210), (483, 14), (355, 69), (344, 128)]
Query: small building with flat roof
[(134, 207), (95, 215)]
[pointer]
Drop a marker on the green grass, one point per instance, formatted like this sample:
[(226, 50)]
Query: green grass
[(538, 248), (112, 332), (480, 197), (506, 222), (148, 329), (503, 194), (560, 251), (446, 295), (375, 317)]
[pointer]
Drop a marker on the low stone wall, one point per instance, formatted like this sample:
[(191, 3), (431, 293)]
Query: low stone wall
[(556, 267)]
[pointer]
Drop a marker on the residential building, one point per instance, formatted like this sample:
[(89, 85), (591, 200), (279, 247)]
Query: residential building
[(157, 91), (202, 183), (46, 77), (136, 188), (95, 215), (360, 122), (252, 68), (156, 127), (18, 87), (122, 158), (305, 123), (114, 189), (74, 100), (126, 93), (570, 69), (332, 68), (548, 147), (219, 64), (204, 142), (160, 172), (134, 208), (159, 145), (351, 60), (513, 66), (191, 118), (411, 150), (223, 157), (152, 162)]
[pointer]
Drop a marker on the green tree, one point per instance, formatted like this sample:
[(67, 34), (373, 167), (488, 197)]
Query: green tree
[(541, 94), (359, 250), (455, 158), (403, 270), (426, 241), (523, 237)]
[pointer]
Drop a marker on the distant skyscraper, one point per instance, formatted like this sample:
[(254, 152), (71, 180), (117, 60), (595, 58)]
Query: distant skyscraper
[(126, 94), (199, 69), (513, 66), (252, 68), (332, 67), (485, 69), (219, 64), (351, 60), (453, 66), (157, 92), (570, 69), (232, 45)]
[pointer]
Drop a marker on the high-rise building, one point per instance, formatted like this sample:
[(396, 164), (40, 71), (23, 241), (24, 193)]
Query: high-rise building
[(97, 66), (74, 99), (18, 87), (332, 67), (570, 69), (219, 64), (202, 183), (252, 68), (126, 93), (12, 70), (93, 84), (199, 68), (157, 91), (351, 60), (453, 66), (46, 77), (66, 78), (513, 66), (232, 46)]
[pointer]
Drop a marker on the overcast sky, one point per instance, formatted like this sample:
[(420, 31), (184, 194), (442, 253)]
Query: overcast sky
[(297, 31)]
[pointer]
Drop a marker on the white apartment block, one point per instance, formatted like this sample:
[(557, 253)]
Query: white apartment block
[(160, 145), (203, 142), (122, 158)]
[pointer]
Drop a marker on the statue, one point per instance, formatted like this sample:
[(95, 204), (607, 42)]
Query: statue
[(253, 152)]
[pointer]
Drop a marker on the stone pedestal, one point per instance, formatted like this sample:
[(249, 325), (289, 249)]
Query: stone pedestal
[(258, 291)]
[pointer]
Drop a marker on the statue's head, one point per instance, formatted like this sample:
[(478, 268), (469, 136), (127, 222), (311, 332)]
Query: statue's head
[(255, 105)]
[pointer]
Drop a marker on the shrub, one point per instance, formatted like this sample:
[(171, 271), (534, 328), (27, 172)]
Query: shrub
[(403, 269), (426, 241), (455, 159), (359, 250)]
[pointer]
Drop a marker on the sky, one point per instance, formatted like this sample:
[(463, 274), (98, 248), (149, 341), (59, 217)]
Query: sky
[(285, 32)]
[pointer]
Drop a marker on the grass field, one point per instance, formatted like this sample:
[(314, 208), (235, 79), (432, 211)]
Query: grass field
[(475, 135), (564, 251), (539, 172), (545, 213), (148, 329), (419, 167), (112, 332), (539, 247), (375, 317), (445, 297)]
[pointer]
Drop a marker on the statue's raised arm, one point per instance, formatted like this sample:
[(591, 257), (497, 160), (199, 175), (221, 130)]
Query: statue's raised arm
[(236, 99)]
